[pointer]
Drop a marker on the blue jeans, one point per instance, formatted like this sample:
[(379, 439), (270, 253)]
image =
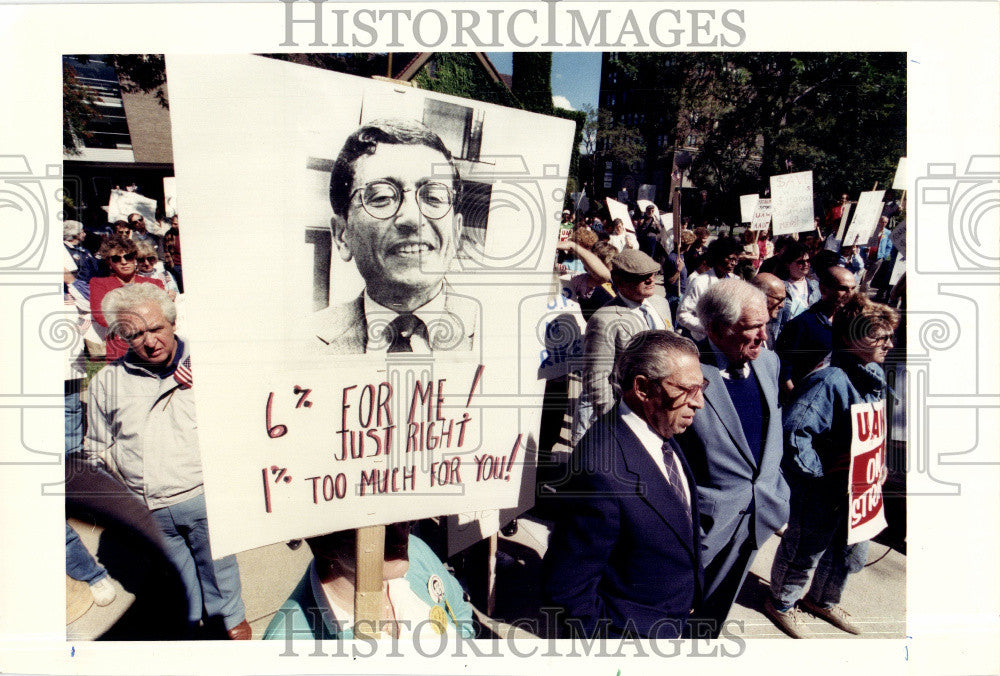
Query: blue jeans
[(80, 565), (212, 585), (73, 415), (815, 540)]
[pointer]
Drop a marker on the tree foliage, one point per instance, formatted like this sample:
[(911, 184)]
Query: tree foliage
[(531, 80), (459, 74), (78, 111), (754, 115)]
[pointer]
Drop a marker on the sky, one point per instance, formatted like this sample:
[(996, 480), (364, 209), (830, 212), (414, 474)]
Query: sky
[(576, 76)]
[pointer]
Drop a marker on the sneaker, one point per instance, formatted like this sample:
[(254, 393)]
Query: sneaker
[(103, 591), (836, 616), (791, 621)]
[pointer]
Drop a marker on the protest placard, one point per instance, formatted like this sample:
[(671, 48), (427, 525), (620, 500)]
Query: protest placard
[(618, 210), (865, 504), (121, 203), (169, 196), (899, 180), (792, 203), (865, 218), (646, 193), (748, 203), (306, 424), (761, 218)]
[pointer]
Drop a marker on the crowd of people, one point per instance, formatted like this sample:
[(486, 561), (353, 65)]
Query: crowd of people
[(679, 474), (717, 381), (138, 425)]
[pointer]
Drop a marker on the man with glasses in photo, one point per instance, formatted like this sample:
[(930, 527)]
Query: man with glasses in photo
[(394, 190), (734, 446), (624, 555)]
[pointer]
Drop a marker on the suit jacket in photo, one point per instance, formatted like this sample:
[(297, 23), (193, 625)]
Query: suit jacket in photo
[(741, 501), (608, 332), (344, 329), (623, 549)]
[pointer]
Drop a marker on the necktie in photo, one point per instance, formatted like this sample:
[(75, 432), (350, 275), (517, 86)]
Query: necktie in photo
[(675, 478), (648, 314), (400, 330)]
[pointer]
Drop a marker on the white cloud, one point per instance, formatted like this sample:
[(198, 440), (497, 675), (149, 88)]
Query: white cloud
[(562, 102)]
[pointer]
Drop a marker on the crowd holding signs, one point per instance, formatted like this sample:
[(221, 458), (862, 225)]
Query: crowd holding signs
[(416, 391)]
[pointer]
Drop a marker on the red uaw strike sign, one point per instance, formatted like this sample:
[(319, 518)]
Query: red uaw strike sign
[(867, 516)]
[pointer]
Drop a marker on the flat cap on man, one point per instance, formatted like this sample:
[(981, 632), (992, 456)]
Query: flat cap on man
[(634, 262)]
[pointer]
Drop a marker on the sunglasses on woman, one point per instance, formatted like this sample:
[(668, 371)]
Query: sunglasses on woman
[(118, 258)]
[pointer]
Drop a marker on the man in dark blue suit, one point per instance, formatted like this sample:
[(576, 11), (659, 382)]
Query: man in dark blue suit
[(735, 445), (623, 558)]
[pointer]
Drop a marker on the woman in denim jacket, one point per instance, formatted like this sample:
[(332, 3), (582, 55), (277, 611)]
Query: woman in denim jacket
[(818, 436)]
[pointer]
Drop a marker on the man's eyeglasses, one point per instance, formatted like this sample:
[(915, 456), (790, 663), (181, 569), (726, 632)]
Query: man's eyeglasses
[(801, 261), (687, 393), (118, 258), (382, 199)]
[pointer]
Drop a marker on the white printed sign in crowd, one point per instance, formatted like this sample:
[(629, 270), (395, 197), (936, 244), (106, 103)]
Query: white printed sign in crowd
[(865, 505), (747, 205), (618, 209), (865, 219), (297, 440), (761, 218), (792, 203), (121, 203)]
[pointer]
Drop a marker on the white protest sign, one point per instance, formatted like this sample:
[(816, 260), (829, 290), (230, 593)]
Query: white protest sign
[(618, 210), (306, 425), (747, 205), (169, 196), (761, 217), (792, 203), (122, 203), (899, 180), (645, 204), (845, 215), (865, 218), (865, 506)]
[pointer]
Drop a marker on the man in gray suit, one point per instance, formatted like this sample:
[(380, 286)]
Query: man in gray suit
[(734, 446), (394, 214), (636, 308)]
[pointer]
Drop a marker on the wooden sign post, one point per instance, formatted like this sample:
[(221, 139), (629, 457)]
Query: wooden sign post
[(368, 596)]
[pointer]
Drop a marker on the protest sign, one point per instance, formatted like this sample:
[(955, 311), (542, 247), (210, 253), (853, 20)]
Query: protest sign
[(646, 193), (121, 203), (845, 215), (865, 218), (748, 203), (865, 504), (792, 203), (306, 424), (644, 204), (618, 210), (169, 197), (761, 218), (899, 180)]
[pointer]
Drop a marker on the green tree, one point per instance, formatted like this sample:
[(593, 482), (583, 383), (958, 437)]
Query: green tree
[(531, 80), (459, 74), (78, 111), (841, 115)]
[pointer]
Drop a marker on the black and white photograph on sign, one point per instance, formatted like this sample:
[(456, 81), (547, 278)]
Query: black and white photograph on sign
[(372, 343), (678, 331)]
